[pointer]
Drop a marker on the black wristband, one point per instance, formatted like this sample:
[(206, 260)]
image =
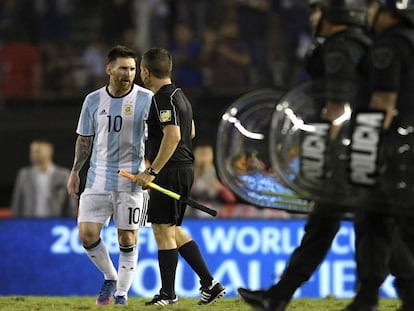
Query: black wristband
[(151, 171)]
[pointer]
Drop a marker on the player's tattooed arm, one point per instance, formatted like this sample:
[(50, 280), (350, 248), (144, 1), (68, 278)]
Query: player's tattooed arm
[(82, 151)]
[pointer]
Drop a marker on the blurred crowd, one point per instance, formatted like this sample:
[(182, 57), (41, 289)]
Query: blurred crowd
[(56, 49), (53, 49)]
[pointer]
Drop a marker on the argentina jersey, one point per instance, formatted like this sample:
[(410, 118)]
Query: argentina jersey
[(118, 127)]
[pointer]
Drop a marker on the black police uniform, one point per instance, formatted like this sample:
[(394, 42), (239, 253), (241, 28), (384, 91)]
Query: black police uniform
[(340, 58), (170, 106), (383, 241)]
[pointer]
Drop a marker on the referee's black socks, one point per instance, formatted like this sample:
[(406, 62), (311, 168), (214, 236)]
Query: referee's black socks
[(168, 260), (192, 255)]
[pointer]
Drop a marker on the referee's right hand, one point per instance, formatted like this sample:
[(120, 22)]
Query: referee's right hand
[(143, 178)]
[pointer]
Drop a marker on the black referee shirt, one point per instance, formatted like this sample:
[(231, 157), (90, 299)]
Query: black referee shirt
[(170, 106)]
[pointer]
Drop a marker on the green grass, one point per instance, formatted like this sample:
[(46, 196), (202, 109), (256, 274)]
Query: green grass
[(35, 303)]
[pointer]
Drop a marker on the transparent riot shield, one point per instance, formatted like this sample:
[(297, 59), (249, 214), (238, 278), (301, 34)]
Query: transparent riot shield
[(394, 170), (242, 153), (305, 152), (347, 164)]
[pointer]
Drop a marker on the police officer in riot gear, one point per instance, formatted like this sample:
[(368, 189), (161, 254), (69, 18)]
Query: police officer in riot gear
[(390, 65), (338, 61)]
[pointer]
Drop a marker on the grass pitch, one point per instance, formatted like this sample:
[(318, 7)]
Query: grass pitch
[(38, 303)]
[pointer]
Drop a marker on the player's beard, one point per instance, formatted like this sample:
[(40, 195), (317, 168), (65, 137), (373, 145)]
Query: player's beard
[(123, 86)]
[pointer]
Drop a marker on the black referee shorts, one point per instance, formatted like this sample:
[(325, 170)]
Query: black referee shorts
[(163, 209)]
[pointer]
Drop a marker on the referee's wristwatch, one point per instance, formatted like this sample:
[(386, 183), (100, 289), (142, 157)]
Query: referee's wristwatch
[(151, 171)]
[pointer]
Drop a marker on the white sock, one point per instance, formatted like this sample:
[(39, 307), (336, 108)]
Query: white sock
[(128, 257), (100, 257)]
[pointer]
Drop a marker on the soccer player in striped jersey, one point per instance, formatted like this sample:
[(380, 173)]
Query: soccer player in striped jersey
[(112, 130)]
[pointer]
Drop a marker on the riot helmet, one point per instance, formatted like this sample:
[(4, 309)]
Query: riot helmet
[(315, 2), (315, 17), (402, 8), (350, 12)]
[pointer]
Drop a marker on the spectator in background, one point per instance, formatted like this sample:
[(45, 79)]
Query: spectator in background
[(9, 11), (70, 67), (61, 66), (151, 22), (94, 59), (296, 38), (40, 189), (227, 59), (16, 14), (280, 67), (129, 37), (186, 53), (254, 22), (53, 20), (20, 66), (51, 72), (207, 187), (192, 12), (116, 17)]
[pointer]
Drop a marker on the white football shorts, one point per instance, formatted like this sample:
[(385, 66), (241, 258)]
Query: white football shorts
[(128, 209)]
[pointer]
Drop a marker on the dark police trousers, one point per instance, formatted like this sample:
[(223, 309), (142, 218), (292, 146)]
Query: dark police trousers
[(380, 250), (320, 230)]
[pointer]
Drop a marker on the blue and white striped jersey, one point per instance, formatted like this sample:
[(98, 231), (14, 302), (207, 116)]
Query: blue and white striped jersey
[(118, 127)]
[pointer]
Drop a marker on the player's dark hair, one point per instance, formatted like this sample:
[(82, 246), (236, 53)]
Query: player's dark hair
[(158, 61), (121, 51)]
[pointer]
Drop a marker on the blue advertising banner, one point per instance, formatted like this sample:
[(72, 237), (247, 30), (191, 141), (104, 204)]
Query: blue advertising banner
[(45, 257)]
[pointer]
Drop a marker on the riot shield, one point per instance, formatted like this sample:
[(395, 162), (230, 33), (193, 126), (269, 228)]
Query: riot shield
[(346, 165), (304, 152), (242, 154)]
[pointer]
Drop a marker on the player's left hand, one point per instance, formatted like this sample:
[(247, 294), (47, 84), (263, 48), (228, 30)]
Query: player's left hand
[(73, 184)]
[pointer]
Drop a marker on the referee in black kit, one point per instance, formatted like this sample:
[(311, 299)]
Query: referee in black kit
[(170, 152)]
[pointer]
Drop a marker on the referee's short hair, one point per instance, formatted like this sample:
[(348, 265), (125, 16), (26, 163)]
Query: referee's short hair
[(158, 61)]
